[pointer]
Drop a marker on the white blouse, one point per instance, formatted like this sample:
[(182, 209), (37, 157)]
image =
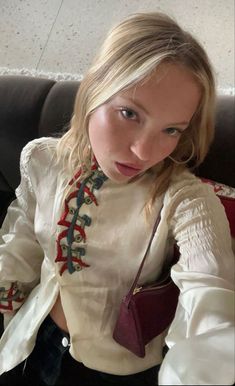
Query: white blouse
[(112, 233)]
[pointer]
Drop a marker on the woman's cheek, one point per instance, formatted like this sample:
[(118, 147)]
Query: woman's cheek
[(169, 146)]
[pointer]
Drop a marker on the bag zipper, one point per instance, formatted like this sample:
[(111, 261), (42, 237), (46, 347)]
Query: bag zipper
[(149, 288)]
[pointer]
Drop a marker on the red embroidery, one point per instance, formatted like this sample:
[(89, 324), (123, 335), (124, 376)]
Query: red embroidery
[(69, 250), (10, 296)]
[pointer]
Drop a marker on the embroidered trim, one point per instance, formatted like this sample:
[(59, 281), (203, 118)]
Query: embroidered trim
[(71, 240), (10, 296)]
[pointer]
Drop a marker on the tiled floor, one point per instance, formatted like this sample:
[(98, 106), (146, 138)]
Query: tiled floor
[(61, 36)]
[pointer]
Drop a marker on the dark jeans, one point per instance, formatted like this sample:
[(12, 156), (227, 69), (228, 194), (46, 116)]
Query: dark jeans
[(51, 364)]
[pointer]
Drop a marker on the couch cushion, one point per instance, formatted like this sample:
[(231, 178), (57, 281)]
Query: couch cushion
[(219, 164), (22, 99), (58, 108)]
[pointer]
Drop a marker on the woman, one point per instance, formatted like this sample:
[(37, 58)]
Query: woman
[(74, 238)]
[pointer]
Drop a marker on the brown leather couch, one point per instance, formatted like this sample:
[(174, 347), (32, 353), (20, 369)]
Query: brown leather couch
[(34, 107)]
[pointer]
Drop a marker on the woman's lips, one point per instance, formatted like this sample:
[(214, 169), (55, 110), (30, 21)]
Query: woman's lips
[(127, 170)]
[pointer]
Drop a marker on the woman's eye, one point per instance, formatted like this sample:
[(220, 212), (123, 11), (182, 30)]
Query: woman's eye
[(128, 113), (173, 131)]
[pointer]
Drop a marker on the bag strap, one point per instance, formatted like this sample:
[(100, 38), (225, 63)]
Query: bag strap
[(130, 292)]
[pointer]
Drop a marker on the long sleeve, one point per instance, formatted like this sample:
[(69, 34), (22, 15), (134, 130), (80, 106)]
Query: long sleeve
[(201, 337), (20, 253)]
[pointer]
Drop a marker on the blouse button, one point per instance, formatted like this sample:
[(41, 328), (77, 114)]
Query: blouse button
[(65, 342)]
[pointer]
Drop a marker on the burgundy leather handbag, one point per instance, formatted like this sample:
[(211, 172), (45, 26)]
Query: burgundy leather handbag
[(146, 311)]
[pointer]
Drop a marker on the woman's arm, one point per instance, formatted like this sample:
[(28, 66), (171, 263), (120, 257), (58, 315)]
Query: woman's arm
[(20, 253), (201, 337)]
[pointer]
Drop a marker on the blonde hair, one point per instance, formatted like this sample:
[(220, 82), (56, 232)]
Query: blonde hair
[(131, 52)]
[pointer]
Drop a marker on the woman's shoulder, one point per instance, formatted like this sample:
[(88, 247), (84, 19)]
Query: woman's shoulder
[(185, 187), (34, 148), (38, 158), (185, 180)]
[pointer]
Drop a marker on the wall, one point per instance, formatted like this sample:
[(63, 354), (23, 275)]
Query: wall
[(61, 36)]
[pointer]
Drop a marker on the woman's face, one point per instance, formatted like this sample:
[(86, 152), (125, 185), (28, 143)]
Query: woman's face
[(139, 127)]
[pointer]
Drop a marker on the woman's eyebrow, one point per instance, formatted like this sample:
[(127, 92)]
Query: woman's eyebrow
[(135, 102), (183, 123), (140, 106)]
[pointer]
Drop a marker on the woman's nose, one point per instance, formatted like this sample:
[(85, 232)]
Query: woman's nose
[(143, 148)]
